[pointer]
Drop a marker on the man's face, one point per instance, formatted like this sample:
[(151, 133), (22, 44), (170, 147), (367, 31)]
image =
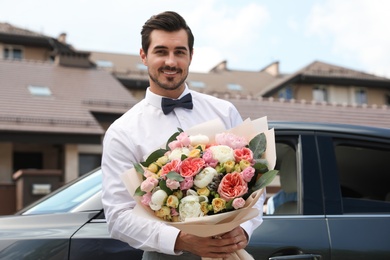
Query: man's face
[(168, 60)]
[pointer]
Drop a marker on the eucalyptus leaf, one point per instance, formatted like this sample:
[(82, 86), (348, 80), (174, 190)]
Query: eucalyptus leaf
[(174, 176), (138, 168), (261, 166), (265, 179), (258, 145), (139, 192), (153, 157)]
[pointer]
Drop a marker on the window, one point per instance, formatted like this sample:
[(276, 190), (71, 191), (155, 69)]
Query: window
[(360, 96), (283, 191), (387, 100), (286, 93), (13, 53), (142, 67), (320, 94), (104, 64), (39, 91), (232, 86), (364, 182), (197, 84), (88, 162)]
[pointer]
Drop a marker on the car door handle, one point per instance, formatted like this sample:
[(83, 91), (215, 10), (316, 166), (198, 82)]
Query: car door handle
[(297, 257)]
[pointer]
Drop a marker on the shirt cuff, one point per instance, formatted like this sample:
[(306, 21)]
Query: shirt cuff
[(168, 240)]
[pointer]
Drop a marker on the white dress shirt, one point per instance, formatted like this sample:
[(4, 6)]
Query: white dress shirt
[(137, 133)]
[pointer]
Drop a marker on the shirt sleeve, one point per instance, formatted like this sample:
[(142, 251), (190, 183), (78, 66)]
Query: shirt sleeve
[(118, 204)]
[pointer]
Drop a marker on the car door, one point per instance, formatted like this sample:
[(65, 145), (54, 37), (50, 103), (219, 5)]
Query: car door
[(356, 188), (297, 230), (92, 241)]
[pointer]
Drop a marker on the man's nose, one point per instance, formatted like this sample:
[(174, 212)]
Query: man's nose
[(171, 60)]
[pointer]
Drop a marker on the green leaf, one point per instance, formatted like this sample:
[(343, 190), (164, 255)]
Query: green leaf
[(261, 165), (258, 145), (174, 176), (138, 168), (265, 179), (163, 185), (173, 137), (153, 157), (139, 192)]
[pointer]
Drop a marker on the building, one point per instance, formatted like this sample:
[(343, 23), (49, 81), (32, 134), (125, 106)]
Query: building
[(57, 102)]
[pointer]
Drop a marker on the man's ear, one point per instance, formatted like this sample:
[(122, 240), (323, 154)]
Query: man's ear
[(142, 54)]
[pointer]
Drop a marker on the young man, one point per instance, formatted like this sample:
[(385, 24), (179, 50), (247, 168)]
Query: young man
[(167, 49)]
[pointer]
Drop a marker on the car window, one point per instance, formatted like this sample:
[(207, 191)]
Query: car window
[(283, 192), (70, 197), (364, 176)]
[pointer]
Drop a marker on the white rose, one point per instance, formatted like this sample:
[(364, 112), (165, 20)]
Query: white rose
[(190, 207), (222, 153), (178, 152), (199, 139), (158, 199), (205, 177)]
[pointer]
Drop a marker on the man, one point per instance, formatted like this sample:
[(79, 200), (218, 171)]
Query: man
[(167, 49)]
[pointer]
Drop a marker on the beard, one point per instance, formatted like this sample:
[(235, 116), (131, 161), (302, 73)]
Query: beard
[(170, 85)]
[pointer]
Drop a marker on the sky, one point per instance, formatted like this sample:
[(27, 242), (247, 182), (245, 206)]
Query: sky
[(248, 34)]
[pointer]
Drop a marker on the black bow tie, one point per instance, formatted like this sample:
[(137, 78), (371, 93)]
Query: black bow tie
[(168, 104)]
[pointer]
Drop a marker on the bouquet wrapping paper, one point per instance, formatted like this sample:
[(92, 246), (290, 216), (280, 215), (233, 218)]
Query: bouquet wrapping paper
[(212, 225)]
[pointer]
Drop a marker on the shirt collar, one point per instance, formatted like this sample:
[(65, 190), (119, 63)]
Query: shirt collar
[(155, 100)]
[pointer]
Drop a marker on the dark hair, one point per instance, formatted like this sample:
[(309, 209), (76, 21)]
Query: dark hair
[(167, 21)]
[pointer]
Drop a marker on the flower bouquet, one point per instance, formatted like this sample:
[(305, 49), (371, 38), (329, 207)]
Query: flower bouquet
[(206, 180)]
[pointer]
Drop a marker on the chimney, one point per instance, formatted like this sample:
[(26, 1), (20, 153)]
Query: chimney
[(62, 38)]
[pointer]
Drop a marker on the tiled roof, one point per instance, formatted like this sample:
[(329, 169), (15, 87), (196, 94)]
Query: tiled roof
[(279, 110), (75, 94), (322, 70), (10, 29)]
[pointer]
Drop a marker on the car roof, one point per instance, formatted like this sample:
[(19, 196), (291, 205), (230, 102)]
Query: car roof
[(330, 127)]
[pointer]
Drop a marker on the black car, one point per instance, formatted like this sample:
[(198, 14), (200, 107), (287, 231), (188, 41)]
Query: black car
[(331, 201)]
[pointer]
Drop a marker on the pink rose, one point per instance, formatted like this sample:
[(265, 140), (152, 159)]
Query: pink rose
[(191, 166), (172, 184), (148, 173), (149, 184), (209, 159), (238, 203), (232, 186), (187, 183), (173, 165), (181, 140), (174, 212), (243, 154), (231, 140), (146, 198), (248, 173)]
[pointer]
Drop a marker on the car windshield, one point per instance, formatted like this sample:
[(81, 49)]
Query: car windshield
[(70, 197)]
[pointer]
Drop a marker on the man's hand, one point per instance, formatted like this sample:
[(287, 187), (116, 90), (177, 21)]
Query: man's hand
[(214, 247)]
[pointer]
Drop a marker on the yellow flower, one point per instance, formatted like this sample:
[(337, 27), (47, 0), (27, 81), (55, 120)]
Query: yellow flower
[(153, 167), (237, 168), (162, 160), (229, 165), (164, 213), (175, 219), (204, 207), (203, 191), (195, 153), (178, 194), (244, 164), (172, 201), (218, 204)]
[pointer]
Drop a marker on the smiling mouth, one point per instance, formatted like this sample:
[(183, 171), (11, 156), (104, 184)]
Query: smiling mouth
[(170, 71)]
